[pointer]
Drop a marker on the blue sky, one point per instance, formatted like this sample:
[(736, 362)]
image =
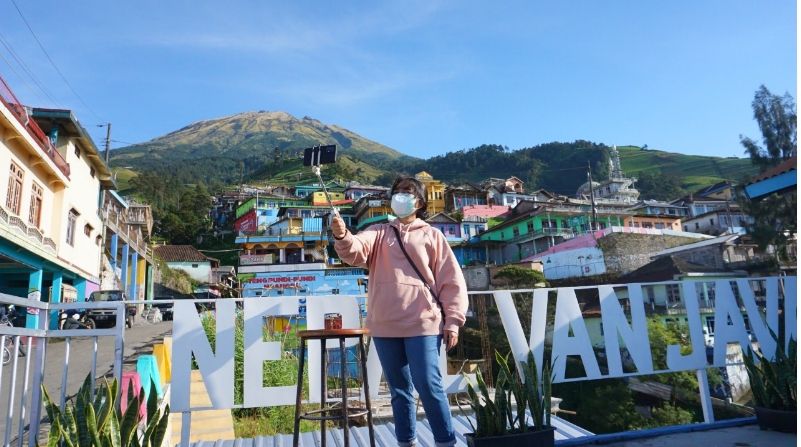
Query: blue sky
[(423, 77)]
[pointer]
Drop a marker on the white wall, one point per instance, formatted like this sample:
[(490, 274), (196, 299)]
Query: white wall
[(82, 194), (573, 263)]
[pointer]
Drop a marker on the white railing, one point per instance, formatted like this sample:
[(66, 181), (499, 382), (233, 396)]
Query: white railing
[(21, 385)]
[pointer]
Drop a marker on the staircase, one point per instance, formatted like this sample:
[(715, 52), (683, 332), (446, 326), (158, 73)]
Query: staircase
[(110, 277)]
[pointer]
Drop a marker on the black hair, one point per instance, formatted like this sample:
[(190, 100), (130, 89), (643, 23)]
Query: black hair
[(418, 190)]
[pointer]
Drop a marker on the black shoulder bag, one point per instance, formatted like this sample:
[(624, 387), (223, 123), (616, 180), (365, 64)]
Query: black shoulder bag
[(428, 286)]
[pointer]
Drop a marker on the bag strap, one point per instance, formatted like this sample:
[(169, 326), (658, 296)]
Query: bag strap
[(408, 258)]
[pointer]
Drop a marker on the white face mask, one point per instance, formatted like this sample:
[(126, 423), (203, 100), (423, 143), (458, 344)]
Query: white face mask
[(403, 204)]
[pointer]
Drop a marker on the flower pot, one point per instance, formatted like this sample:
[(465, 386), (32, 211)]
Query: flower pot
[(541, 438), (778, 420)]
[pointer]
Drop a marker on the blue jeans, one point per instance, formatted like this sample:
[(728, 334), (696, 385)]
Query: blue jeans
[(415, 360)]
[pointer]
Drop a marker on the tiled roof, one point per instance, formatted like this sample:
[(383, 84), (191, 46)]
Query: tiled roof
[(180, 253)]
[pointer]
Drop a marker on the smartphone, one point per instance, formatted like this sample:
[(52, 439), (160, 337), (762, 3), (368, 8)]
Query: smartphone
[(320, 155)]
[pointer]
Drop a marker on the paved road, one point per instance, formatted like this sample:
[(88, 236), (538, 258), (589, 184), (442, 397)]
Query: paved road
[(138, 340)]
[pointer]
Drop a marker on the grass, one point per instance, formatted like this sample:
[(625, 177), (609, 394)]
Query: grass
[(124, 176), (251, 422), (696, 171)]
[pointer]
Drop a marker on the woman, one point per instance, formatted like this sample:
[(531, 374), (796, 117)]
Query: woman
[(407, 320)]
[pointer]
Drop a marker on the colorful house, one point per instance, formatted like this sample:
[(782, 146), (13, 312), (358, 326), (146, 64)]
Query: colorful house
[(355, 191), (465, 194), (308, 189), (447, 225), (370, 210), (50, 219), (435, 190), (291, 240), (535, 227)]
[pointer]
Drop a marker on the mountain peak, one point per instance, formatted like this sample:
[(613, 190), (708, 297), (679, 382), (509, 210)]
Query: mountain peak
[(253, 134)]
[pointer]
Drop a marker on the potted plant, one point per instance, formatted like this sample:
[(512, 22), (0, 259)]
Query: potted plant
[(773, 385), (497, 423)]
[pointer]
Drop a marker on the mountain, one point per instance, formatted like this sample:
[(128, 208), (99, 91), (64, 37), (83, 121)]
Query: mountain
[(242, 145), (265, 147)]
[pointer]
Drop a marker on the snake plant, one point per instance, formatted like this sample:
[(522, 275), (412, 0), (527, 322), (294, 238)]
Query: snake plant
[(99, 422), (495, 417), (773, 384)]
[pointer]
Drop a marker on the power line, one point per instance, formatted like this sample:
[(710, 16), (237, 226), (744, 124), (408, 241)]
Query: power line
[(26, 69), (125, 142), (63, 78), (21, 78)]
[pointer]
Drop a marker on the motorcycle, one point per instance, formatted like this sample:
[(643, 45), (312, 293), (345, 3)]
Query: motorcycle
[(77, 321)]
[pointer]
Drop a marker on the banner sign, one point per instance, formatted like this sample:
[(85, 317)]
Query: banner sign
[(256, 259), (216, 364), (620, 331), (621, 318)]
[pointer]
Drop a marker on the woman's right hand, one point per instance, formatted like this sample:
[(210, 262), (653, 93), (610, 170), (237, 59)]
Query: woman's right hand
[(338, 228)]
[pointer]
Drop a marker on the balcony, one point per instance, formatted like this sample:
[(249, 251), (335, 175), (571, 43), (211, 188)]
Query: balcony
[(21, 114), (31, 235), (564, 233), (117, 223), (141, 215)]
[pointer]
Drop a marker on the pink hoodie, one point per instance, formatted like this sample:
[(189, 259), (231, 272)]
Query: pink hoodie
[(399, 304)]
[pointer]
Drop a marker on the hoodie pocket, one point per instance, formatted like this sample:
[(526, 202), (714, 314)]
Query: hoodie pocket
[(401, 302)]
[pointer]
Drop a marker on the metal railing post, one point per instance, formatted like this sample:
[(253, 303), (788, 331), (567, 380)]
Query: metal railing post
[(39, 352), (706, 397)]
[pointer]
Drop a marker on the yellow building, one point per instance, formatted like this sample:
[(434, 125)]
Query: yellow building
[(318, 198), (435, 190)]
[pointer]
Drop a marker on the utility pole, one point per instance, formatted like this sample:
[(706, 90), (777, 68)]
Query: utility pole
[(592, 198), (108, 139)]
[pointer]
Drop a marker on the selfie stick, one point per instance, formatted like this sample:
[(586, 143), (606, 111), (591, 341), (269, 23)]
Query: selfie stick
[(316, 170)]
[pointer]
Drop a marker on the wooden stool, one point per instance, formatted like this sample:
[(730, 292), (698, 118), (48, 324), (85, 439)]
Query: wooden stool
[(328, 413)]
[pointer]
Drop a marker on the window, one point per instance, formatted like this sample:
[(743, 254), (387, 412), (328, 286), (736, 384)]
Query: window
[(87, 230), (14, 196), (515, 232), (35, 211), (697, 226), (686, 229), (712, 222), (710, 325), (77, 152), (72, 219), (194, 266), (98, 239), (530, 226), (92, 172), (673, 296)]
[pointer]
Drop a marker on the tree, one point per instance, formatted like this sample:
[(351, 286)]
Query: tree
[(659, 186), (774, 217), (776, 118)]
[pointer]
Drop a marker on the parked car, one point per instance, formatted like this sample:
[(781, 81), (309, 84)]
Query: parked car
[(165, 308), (107, 317)]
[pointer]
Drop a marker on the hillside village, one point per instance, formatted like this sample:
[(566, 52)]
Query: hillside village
[(67, 233)]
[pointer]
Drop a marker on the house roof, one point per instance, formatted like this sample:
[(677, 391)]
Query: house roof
[(441, 218), (781, 168), (180, 253), (667, 268), (705, 243)]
